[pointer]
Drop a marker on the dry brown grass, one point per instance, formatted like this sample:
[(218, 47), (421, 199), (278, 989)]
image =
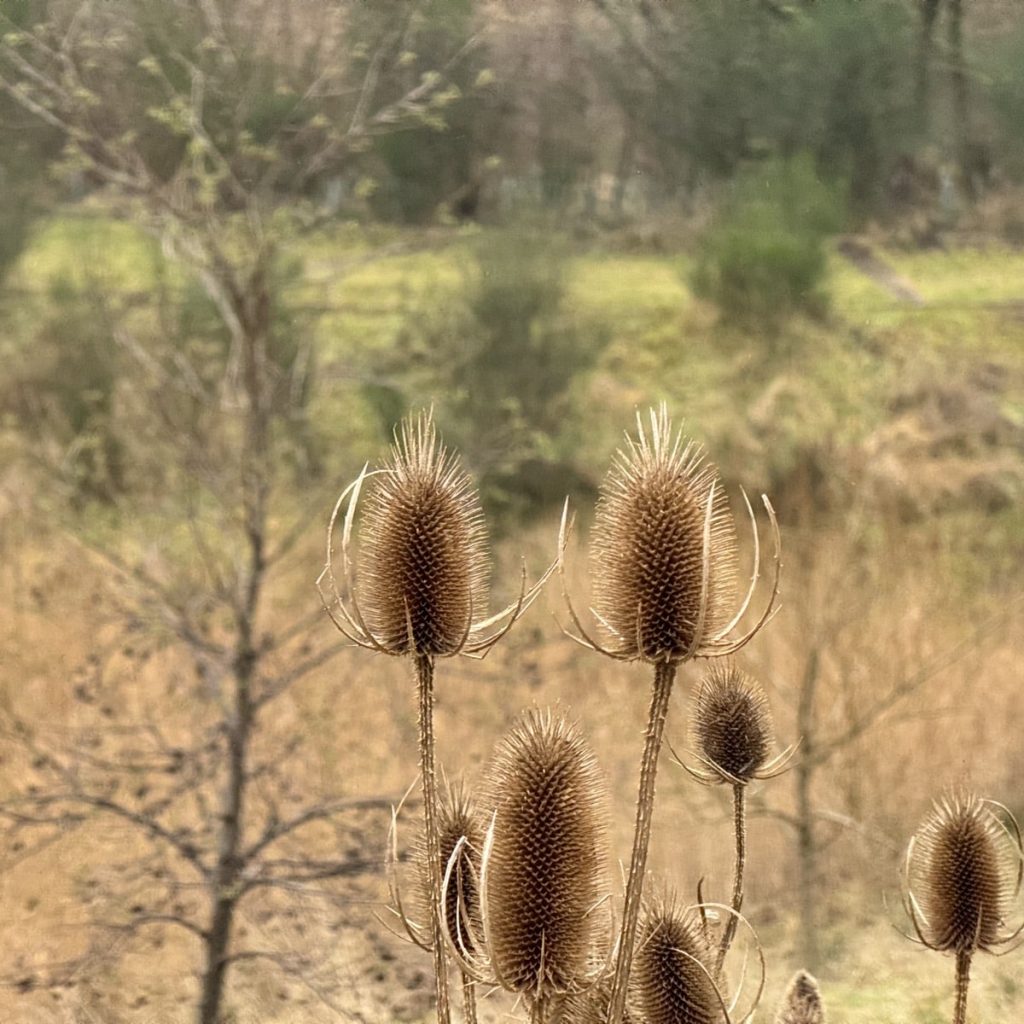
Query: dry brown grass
[(872, 793)]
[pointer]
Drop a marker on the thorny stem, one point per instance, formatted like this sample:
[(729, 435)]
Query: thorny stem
[(468, 998), (740, 824), (664, 676), (963, 978), (425, 686)]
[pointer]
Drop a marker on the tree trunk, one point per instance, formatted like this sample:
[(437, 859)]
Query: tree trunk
[(255, 474), (807, 848), (925, 53), (225, 891), (216, 967), (961, 96)]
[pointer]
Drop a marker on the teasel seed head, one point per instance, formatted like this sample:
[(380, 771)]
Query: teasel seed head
[(461, 835), (424, 570), (802, 1003), (963, 871), (544, 864), (664, 554), (673, 969), (731, 727)]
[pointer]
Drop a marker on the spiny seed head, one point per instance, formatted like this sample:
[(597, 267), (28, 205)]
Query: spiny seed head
[(962, 872), (545, 870), (802, 1003), (732, 722), (673, 967), (424, 571), (648, 548), (457, 817)]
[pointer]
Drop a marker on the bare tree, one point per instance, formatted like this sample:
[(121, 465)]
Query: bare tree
[(857, 671), (211, 123)]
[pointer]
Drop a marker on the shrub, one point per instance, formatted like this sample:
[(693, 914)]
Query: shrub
[(764, 257), (513, 370)]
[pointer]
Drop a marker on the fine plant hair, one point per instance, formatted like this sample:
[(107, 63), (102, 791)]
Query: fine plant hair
[(543, 875), (422, 581), (673, 971), (664, 566), (802, 1002), (963, 868), (732, 739)]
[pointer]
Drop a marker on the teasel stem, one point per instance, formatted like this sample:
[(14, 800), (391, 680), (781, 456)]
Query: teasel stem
[(468, 998), (539, 1011), (428, 779), (963, 978), (664, 676), (739, 807)]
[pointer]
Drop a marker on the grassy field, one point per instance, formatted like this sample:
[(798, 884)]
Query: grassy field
[(918, 408)]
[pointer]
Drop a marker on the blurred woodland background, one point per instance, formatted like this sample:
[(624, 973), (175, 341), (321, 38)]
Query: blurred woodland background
[(239, 239)]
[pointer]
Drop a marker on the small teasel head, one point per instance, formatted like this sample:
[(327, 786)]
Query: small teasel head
[(673, 969), (461, 838), (802, 1003), (422, 582), (731, 726), (664, 553), (963, 872), (543, 875)]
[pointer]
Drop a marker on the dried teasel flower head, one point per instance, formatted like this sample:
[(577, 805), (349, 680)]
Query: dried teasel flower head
[(731, 725), (802, 1003), (543, 873), (424, 568), (461, 841), (461, 837), (664, 554), (963, 870), (673, 969)]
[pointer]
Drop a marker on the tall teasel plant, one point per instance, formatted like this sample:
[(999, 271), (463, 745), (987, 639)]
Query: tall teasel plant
[(732, 740), (963, 871), (419, 591), (664, 568), (541, 931)]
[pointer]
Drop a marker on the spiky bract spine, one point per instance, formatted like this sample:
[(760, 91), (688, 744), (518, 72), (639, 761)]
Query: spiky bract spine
[(732, 723), (457, 818), (673, 969), (802, 1003), (963, 875), (648, 547), (545, 869), (424, 571)]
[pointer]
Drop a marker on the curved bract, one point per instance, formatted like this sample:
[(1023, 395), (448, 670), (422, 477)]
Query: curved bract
[(731, 726), (672, 971), (664, 554), (423, 573), (963, 869)]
